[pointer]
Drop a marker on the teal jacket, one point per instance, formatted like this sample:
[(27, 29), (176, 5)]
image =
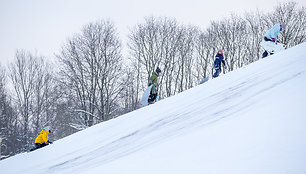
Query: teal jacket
[(273, 32)]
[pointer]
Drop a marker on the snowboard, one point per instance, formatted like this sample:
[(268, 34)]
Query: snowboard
[(271, 47), (145, 96), (204, 80)]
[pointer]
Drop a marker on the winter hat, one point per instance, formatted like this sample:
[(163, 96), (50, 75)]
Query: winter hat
[(158, 70), (47, 128), (220, 50), (283, 26)]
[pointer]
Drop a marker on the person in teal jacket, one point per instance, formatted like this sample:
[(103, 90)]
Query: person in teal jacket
[(271, 35), (153, 81)]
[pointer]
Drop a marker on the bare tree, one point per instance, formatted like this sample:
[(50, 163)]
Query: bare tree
[(164, 43), (185, 59), (31, 79), (256, 29), (295, 19), (92, 66), (205, 47), (8, 120), (130, 94)]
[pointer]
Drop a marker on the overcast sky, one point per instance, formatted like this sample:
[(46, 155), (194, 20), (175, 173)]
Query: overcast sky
[(42, 26)]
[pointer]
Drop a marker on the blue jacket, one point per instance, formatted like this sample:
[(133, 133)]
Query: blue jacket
[(219, 58), (273, 32)]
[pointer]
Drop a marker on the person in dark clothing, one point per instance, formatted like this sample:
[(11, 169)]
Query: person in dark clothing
[(217, 63)]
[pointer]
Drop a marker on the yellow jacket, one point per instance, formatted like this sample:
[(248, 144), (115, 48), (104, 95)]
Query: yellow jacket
[(42, 137)]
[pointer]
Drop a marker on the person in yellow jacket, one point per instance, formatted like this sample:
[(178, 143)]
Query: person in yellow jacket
[(43, 138)]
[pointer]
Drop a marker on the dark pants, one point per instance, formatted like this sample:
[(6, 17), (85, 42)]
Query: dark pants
[(152, 98), (267, 39), (38, 145), (217, 72), (153, 95), (265, 54)]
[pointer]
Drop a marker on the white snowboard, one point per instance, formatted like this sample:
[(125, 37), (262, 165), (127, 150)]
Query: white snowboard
[(271, 47), (145, 96)]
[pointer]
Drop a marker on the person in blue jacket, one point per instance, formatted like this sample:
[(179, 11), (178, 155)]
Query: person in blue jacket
[(271, 35), (217, 63)]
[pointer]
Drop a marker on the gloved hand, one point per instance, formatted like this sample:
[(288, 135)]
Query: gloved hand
[(49, 142), (273, 40), (225, 67)]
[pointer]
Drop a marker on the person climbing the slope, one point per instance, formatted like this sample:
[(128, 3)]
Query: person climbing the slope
[(217, 63), (153, 81), (42, 139), (271, 35)]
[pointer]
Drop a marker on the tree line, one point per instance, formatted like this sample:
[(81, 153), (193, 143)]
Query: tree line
[(92, 81)]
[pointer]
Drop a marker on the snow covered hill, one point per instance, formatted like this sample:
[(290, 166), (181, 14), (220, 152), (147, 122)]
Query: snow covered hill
[(249, 121)]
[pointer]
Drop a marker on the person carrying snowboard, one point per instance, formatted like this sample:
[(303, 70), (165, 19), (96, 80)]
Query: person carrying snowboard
[(271, 35), (217, 63), (42, 139), (153, 81)]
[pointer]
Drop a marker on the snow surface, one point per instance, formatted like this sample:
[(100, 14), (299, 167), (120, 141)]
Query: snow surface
[(249, 121)]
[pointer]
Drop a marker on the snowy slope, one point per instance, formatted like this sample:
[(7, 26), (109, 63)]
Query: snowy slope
[(249, 121)]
